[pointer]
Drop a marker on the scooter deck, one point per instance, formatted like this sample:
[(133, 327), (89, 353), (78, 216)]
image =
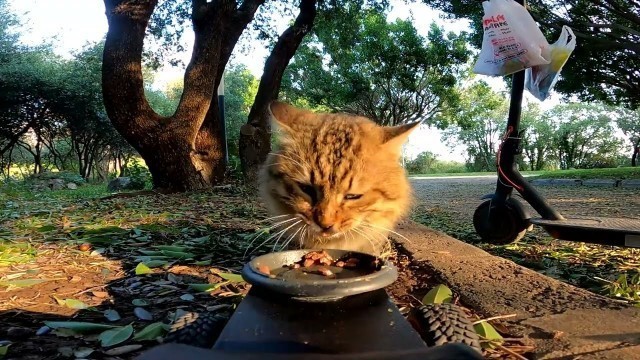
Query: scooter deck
[(597, 230)]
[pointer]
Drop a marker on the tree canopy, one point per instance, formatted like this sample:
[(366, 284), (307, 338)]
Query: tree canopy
[(605, 65), (383, 70)]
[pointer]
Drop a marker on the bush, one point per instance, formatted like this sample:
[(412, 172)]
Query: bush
[(140, 177)]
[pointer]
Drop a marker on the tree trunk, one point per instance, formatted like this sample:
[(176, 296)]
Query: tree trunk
[(634, 157), (183, 151), (255, 136)]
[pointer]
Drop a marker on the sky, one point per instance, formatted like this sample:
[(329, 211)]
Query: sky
[(71, 24)]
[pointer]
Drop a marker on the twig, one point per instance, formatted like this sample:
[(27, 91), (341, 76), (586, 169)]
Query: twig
[(518, 356), (496, 318)]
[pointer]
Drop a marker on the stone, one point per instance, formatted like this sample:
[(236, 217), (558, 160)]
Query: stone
[(600, 182), (121, 183), (632, 183), (566, 182), (72, 186), (56, 184)]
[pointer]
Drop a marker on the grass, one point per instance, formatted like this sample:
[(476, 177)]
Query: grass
[(622, 173)]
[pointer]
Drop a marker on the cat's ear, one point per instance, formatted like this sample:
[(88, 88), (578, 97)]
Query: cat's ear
[(284, 115), (395, 136)]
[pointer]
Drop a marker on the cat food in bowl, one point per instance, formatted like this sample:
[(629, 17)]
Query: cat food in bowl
[(319, 273)]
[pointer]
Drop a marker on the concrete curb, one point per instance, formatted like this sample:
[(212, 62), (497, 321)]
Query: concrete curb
[(594, 327), (629, 184)]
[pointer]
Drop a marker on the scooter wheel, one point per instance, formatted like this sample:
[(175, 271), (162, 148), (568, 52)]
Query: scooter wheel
[(440, 324), (507, 225), (197, 329)]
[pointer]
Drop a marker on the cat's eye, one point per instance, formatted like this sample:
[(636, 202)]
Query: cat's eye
[(308, 189), (352, 196)]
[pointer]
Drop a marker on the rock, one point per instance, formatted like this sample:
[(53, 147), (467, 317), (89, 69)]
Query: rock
[(633, 183), (56, 184), (600, 182), (121, 183), (72, 186), (15, 332), (566, 182)]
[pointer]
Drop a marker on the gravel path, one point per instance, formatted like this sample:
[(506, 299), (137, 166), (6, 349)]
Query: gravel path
[(460, 197)]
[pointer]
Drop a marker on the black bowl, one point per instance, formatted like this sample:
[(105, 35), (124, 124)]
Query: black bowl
[(371, 274)]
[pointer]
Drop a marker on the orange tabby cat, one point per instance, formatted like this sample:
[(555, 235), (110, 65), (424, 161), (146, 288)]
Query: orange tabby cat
[(335, 181)]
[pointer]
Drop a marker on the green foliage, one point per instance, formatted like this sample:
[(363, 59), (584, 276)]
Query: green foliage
[(382, 70), (427, 163), (626, 287), (584, 135), (607, 33), (479, 122), (140, 177), (240, 90)]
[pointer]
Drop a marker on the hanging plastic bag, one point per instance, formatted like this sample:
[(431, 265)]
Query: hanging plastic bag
[(539, 80), (511, 42)]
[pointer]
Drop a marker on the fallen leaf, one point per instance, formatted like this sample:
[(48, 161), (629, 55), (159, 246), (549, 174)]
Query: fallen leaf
[(150, 332), (206, 287), (78, 326), (187, 297), (231, 277), (142, 269), (83, 352), (100, 294), (22, 283), (112, 315), (140, 302), (142, 314), (121, 350), (115, 336), (486, 331), (437, 295)]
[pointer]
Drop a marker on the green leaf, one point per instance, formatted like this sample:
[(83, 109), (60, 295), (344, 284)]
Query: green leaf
[(3, 350), (438, 295), (115, 336), (206, 287), (488, 332), (178, 254), (22, 283), (112, 315), (231, 277), (140, 302), (155, 263), (71, 303), (173, 248), (78, 326), (151, 252), (142, 269), (46, 228), (150, 332)]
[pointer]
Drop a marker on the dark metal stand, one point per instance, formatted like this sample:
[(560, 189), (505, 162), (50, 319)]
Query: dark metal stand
[(270, 326)]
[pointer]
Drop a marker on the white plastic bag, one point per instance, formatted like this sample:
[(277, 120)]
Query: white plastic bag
[(511, 42), (539, 80)]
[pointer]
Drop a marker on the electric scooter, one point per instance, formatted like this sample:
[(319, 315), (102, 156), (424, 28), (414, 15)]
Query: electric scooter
[(501, 219)]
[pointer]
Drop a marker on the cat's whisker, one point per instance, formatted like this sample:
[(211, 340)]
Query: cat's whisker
[(274, 217), (280, 232), (283, 232), (286, 243), (364, 234), (366, 223), (265, 231)]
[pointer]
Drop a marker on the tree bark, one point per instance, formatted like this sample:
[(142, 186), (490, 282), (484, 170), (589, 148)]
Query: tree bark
[(634, 157), (255, 136), (183, 151)]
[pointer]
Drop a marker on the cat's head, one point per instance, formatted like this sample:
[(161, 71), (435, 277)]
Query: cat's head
[(335, 172)]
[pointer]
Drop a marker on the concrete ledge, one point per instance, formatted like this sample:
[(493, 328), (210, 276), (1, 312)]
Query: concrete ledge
[(634, 183), (496, 286)]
